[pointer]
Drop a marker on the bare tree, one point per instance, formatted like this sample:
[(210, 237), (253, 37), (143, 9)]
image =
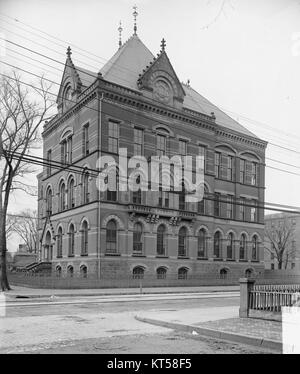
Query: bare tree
[(280, 235), (22, 111), (25, 226)]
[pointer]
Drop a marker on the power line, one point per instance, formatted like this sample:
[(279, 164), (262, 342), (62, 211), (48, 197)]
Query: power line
[(74, 102), (227, 110), (93, 76), (45, 162)]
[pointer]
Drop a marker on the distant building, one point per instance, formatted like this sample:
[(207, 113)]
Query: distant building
[(137, 102), (291, 258)]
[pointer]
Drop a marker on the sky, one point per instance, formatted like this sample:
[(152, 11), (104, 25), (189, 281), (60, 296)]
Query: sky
[(243, 55)]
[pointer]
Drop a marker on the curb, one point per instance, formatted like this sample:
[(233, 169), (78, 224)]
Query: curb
[(238, 338), (29, 296)]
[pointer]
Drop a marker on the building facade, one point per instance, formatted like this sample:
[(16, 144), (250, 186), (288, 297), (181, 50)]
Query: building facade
[(284, 227), (137, 102)]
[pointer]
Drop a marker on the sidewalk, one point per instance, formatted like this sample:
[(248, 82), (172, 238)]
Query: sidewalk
[(26, 292), (220, 323)]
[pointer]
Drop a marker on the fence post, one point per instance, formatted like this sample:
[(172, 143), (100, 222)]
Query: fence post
[(246, 285)]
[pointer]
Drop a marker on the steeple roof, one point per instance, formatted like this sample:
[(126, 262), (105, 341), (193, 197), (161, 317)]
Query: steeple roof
[(130, 63), (127, 63)]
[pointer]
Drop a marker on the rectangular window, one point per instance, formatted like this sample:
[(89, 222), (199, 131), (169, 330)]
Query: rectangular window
[(254, 174), (49, 159), (217, 164), (113, 137), (85, 140), (70, 150), (253, 211), (182, 147), (229, 210), (272, 267), (242, 171), (161, 145), (138, 142), (242, 208), (163, 199), (217, 205), (230, 168)]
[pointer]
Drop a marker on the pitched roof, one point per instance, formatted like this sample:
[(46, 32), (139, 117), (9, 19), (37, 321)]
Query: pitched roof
[(194, 101), (131, 59), (127, 63)]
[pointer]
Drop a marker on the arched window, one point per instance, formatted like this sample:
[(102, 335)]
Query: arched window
[(202, 205), (62, 197), (59, 242), (48, 247), (230, 245), (85, 187), (71, 241), (223, 273), (71, 200), (248, 273), (70, 271), (138, 238), (182, 273), (84, 239), (83, 271), (111, 237), (161, 273), (243, 248), (161, 241), (254, 248), (217, 244), (49, 201), (182, 242), (138, 272), (202, 243), (58, 271)]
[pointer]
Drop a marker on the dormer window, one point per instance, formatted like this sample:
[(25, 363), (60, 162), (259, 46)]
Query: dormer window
[(67, 97)]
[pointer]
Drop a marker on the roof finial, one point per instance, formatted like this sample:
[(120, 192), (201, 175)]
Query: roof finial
[(120, 29), (163, 44), (135, 14), (69, 52)]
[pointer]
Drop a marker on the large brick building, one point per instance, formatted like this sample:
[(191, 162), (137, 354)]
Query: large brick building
[(137, 102)]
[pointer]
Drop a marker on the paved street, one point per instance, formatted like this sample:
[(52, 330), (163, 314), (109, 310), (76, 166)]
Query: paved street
[(108, 325)]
